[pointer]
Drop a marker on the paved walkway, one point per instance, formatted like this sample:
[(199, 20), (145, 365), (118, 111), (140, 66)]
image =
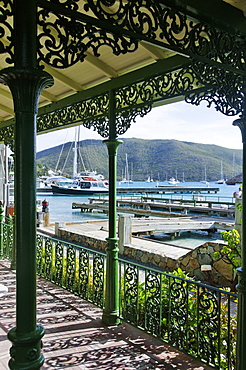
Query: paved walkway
[(172, 249), (76, 338)]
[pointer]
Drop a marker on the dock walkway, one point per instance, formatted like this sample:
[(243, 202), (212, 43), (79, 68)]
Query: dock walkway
[(168, 189), (158, 208), (173, 249)]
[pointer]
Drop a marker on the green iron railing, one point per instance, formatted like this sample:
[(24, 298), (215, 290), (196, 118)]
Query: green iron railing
[(198, 319), (79, 270), (6, 237)]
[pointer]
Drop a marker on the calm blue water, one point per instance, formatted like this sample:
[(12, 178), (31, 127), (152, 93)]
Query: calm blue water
[(61, 206)]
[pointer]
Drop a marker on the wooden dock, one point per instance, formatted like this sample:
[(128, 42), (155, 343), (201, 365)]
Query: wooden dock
[(169, 226), (153, 226), (147, 208), (168, 189)]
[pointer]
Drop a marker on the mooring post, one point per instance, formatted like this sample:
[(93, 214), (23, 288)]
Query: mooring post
[(26, 83), (111, 307), (241, 287)]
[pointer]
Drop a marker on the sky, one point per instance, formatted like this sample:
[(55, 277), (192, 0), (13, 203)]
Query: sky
[(180, 121)]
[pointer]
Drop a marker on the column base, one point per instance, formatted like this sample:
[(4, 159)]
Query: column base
[(111, 318), (26, 349)]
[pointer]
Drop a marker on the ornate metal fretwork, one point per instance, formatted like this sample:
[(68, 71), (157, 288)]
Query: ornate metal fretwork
[(6, 29), (155, 21), (7, 136), (197, 82), (130, 297), (184, 313), (64, 41), (178, 313), (131, 101), (40, 253), (84, 273), (198, 319), (126, 117), (98, 279), (59, 263), (70, 4), (208, 325), (225, 90), (91, 112), (70, 267), (153, 302)]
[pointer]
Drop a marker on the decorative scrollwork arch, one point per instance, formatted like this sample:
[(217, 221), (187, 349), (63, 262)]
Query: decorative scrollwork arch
[(64, 41), (158, 22), (6, 30), (225, 90)]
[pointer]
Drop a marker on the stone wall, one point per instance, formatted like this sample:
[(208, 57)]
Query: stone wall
[(193, 263), (84, 240), (217, 271)]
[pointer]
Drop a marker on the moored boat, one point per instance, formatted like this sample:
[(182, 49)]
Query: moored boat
[(173, 181), (84, 185)]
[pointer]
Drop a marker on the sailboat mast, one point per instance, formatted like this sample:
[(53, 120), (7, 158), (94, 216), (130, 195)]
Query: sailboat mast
[(127, 170), (221, 171), (75, 155)]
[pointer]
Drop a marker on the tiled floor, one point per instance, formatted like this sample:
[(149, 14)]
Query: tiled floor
[(77, 339)]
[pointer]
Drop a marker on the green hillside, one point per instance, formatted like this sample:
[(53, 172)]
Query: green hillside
[(160, 159)]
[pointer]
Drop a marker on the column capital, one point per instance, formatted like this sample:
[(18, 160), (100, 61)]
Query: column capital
[(112, 145), (241, 123), (26, 86)]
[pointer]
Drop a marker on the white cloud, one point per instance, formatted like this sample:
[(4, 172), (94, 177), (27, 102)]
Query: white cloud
[(180, 121)]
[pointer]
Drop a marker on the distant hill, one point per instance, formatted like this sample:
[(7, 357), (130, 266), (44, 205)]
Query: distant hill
[(160, 159)]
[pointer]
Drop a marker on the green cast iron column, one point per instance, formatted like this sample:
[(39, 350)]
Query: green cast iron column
[(26, 83), (26, 336), (111, 308), (241, 287)]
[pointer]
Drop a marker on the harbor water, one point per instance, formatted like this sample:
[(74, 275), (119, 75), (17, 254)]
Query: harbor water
[(60, 206)]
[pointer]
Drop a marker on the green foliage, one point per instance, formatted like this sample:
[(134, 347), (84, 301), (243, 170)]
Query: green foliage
[(140, 309), (157, 158), (42, 170), (231, 252)]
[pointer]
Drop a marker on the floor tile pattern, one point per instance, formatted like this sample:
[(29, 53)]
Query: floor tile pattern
[(76, 338)]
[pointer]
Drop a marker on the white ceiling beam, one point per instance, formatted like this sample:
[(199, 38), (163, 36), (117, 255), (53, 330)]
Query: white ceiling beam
[(155, 52), (7, 109), (49, 96), (5, 93), (103, 67), (63, 78)]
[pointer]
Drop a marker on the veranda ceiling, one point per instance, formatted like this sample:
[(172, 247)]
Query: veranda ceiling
[(96, 70)]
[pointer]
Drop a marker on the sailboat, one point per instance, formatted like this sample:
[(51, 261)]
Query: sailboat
[(222, 180), (205, 177), (126, 179), (83, 183), (149, 179), (174, 181)]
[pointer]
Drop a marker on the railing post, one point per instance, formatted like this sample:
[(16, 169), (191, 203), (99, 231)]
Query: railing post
[(9, 235), (111, 307), (1, 229), (241, 287), (13, 252)]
